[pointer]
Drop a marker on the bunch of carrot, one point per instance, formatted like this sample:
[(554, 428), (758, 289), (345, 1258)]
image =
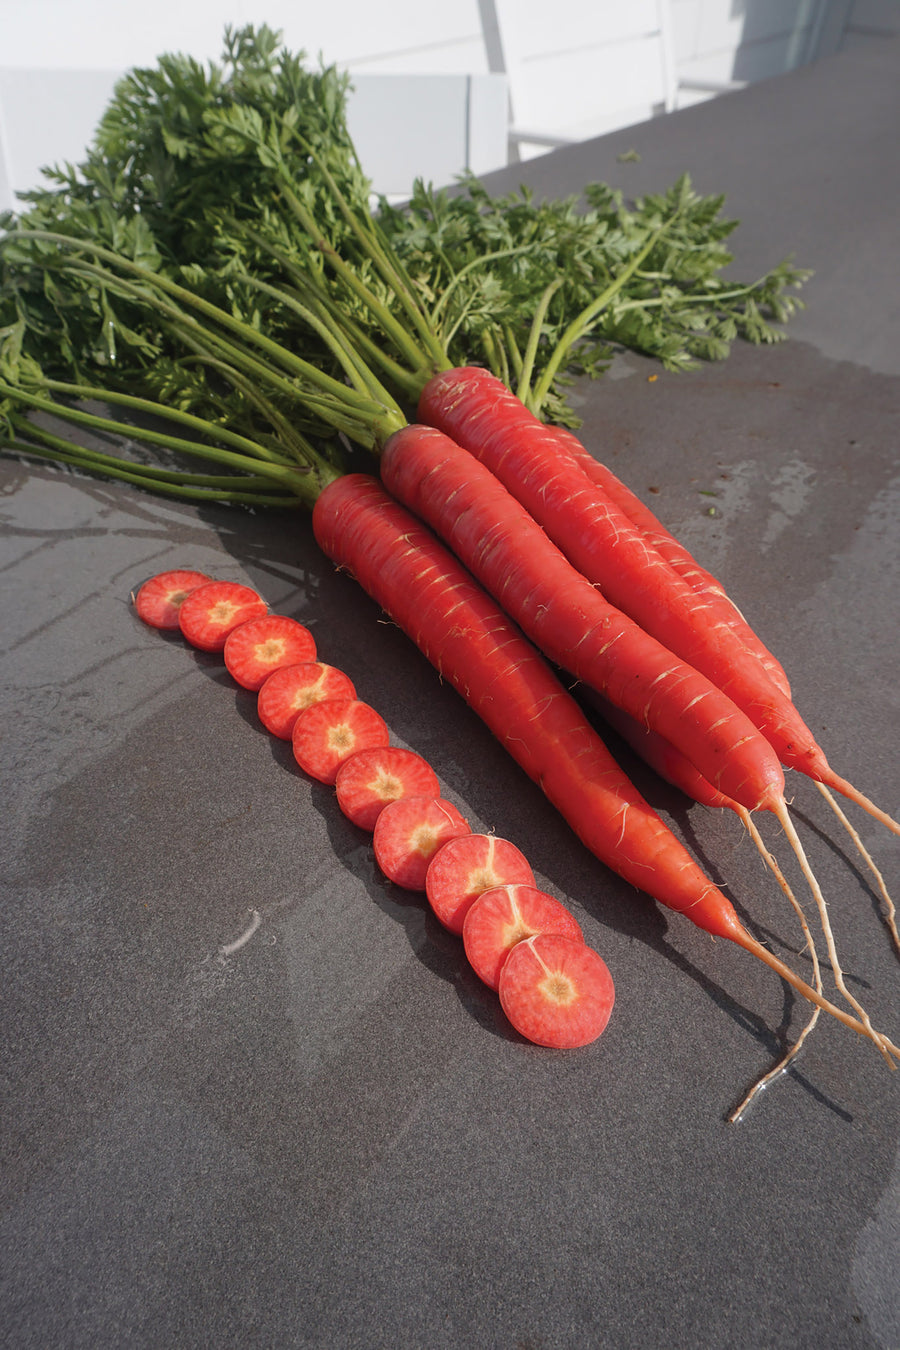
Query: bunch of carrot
[(508, 488), (542, 539), (511, 555)]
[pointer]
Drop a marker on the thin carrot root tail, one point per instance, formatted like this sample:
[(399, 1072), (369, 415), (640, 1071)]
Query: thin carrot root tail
[(756, 948), (781, 1065), (890, 917), (783, 814), (777, 1069), (854, 795)]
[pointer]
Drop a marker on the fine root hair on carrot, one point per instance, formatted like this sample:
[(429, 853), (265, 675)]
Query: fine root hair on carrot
[(784, 816), (781, 1065), (768, 857), (890, 917)]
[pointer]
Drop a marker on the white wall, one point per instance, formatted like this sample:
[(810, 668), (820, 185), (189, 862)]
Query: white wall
[(420, 35), (59, 60), (719, 41), (588, 66)]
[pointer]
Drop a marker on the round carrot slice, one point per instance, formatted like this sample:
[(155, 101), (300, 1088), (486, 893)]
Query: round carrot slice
[(556, 992), (463, 868), (506, 915), (327, 733), (159, 600), (288, 691), (409, 832), (254, 650), (367, 782), (210, 613)]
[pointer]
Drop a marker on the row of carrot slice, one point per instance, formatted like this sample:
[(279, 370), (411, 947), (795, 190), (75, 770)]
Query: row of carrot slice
[(520, 940)]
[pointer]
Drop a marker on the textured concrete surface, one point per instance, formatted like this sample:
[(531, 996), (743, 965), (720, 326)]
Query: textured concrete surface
[(326, 1135)]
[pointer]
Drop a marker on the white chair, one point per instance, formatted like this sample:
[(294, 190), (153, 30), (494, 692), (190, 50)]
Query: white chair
[(427, 126), (579, 68)]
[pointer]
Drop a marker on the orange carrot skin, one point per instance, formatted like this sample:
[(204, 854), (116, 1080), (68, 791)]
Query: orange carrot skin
[(481, 414), (569, 619), (673, 552), (481, 653)]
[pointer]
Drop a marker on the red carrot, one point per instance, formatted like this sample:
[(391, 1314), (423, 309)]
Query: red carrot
[(409, 832), (288, 691), (475, 647), (570, 620), (505, 915), (370, 780), (482, 415), (672, 766), (712, 594), (213, 610), (464, 868), (160, 598), (255, 650), (327, 733), (556, 992)]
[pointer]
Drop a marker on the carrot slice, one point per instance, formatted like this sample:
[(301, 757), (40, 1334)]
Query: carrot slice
[(409, 832), (464, 867), (367, 782), (256, 649), (210, 613), (159, 600), (288, 691), (327, 733), (556, 992), (500, 918)]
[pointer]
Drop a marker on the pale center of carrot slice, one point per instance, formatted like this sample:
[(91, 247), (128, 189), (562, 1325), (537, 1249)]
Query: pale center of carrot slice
[(423, 840), (558, 988), (341, 736), (483, 879), (386, 787), (312, 692), (270, 650)]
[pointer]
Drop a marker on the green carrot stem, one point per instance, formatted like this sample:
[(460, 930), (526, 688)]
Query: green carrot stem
[(373, 353), (186, 327), (582, 322), (511, 347), (458, 277), (281, 473), (359, 374), (177, 415), (382, 255), (534, 337), (496, 357), (131, 474), (390, 325), (341, 409), (375, 356), (288, 436), (461, 316), (102, 460), (274, 350)]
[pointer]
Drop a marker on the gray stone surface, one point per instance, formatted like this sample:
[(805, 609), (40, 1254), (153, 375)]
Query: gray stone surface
[(327, 1136)]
